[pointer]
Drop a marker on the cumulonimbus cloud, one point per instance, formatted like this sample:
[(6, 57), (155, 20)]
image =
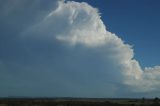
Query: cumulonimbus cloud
[(79, 24), (68, 50)]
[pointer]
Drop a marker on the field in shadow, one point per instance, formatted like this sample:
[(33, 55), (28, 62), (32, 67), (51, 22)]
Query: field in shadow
[(78, 102)]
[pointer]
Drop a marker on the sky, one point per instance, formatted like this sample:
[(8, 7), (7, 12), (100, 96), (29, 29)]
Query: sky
[(81, 48), (136, 22)]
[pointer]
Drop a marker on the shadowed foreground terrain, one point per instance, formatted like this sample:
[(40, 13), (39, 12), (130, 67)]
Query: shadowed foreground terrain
[(77, 102)]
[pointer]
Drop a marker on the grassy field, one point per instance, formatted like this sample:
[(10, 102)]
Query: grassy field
[(77, 102)]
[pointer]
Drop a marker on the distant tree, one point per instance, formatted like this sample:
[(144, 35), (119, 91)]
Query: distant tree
[(143, 100), (156, 100)]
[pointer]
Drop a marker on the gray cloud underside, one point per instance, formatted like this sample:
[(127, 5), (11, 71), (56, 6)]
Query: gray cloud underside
[(64, 49)]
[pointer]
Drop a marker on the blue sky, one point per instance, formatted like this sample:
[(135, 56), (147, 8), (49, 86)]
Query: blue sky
[(136, 22), (69, 49)]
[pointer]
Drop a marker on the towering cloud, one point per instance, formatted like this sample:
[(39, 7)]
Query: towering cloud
[(76, 23), (85, 54)]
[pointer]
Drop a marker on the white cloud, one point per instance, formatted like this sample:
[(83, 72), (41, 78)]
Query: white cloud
[(73, 23), (90, 50)]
